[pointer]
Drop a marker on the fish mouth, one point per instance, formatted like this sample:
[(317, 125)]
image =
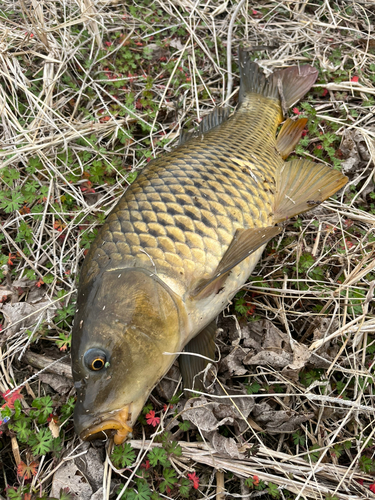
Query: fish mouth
[(118, 422)]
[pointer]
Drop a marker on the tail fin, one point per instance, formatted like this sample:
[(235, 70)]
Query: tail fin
[(287, 85)]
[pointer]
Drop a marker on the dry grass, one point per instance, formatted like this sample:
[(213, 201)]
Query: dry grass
[(66, 107)]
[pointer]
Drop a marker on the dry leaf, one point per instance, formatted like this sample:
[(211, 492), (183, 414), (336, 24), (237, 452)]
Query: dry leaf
[(223, 445), (23, 315), (301, 356), (199, 411), (68, 475), (54, 428), (276, 421), (232, 364), (208, 416), (264, 358), (58, 383)]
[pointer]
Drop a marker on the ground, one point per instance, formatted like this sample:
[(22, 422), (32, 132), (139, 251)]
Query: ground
[(89, 93)]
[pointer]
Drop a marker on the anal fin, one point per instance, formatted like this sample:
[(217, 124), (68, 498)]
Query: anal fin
[(289, 136), (192, 366), (244, 243), (302, 185)]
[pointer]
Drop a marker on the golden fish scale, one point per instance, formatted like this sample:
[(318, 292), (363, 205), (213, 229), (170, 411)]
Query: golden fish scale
[(181, 213)]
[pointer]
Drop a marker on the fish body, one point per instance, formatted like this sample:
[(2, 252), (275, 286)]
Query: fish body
[(181, 241)]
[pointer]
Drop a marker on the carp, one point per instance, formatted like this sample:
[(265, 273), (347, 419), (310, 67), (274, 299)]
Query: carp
[(182, 240)]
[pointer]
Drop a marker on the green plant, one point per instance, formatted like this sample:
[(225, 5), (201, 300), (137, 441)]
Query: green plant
[(123, 456), (299, 439), (253, 388), (158, 465), (273, 490)]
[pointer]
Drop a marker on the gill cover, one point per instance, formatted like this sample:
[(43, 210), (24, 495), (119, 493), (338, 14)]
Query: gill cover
[(125, 320)]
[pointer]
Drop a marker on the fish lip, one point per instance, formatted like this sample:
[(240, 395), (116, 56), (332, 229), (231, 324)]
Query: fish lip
[(118, 421)]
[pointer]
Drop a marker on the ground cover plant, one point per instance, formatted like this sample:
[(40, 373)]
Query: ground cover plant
[(89, 93)]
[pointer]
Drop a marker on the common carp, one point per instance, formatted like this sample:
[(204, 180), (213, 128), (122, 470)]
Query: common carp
[(182, 240)]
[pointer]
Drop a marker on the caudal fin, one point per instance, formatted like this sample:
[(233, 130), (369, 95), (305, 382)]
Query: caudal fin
[(287, 85)]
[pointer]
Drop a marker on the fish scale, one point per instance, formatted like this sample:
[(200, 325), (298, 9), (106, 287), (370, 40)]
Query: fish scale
[(179, 244), (181, 213)]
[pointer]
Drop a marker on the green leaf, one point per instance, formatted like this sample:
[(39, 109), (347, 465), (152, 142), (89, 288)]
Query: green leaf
[(21, 428), (14, 203), (9, 175), (253, 388), (17, 409), (147, 408), (45, 407), (185, 487), (175, 399), (273, 490), (298, 439), (144, 492), (25, 233), (67, 408), (41, 442), (123, 456), (16, 494), (174, 448), (305, 262), (184, 426), (65, 495), (131, 177), (170, 479), (158, 455), (314, 455)]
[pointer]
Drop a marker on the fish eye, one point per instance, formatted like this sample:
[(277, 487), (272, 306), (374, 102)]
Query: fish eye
[(95, 359)]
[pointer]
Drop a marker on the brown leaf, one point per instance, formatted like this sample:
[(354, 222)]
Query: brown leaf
[(199, 411), (270, 358), (232, 364), (54, 428), (22, 315), (223, 445), (276, 421), (301, 356), (208, 416), (267, 336), (58, 383)]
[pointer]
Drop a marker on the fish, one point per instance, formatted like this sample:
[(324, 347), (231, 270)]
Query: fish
[(182, 240)]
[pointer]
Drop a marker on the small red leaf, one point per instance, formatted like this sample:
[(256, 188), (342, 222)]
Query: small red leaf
[(151, 419), (193, 477), (11, 397), (27, 471)]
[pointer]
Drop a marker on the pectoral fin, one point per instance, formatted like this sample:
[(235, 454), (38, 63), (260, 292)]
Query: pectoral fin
[(302, 185), (244, 243), (289, 136), (191, 366)]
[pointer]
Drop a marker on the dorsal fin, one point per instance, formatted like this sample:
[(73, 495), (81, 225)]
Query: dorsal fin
[(287, 85), (213, 119), (209, 121), (185, 136)]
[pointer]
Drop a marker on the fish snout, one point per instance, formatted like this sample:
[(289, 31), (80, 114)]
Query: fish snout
[(116, 423)]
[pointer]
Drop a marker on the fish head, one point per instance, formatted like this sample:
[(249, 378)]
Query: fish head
[(126, 319)]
